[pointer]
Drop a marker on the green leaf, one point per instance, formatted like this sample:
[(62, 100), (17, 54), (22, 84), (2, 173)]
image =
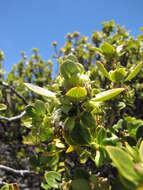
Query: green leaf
[(121, 105), (68, 68), (5, 187), (107, 95), (99, 158), (102, 69), (107, 49), (45, 186), (30, 111), (117, 75), (80, 184), (27, 122), (141, 151), (139, 169), (123, 162), (76, 80), (81, 173), (134, 71), (101, 135), (40, 107), (40, 91), (3, 107), (53, 179), (132, 151), (110, 140), (77, 93), (72, 57), (68, 127), (80, 135), (88, 120), (46, 134), (98, 51)]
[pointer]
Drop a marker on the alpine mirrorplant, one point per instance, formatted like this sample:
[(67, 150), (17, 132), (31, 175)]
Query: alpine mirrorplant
[(85, 125)]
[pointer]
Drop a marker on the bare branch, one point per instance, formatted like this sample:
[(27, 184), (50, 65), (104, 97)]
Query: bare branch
[(4, 84), (13, 118), (16, 172)]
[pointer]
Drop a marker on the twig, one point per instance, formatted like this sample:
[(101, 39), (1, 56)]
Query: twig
[(13, 118), (13, 90), (2, 182), (17, 172)]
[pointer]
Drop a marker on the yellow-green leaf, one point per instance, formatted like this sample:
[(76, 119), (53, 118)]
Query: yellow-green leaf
[(123, 162), (102, 69), (107, 95), (77, 92), (5, 187), (68, 68), (53, 179), (72, 57), (41, 91), (70, 149), (3, 107), (134, 71), (132, 151), (141, 151), (58, 143), (117, 75), (107, 48)]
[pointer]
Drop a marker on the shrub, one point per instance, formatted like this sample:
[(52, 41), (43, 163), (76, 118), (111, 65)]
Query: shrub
[(85, 125)]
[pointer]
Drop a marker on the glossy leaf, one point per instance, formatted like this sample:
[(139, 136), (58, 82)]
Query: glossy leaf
[(117, 75), (70, 149), (69, 68), (123, 162), (134, 71), (141, 151), (107, 95), (72, 58), (5, 187), (139, 170), (46, 134), (102, 69), (88, 120), (101, 135), (53, 178), (40, 91), (99, 158), (80, 135), (3, 107), (68, 127), (76, 80), (77, 93), (107, 49), (132, 151), (40, 107)]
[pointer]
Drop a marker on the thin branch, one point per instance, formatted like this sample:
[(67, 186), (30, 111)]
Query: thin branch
[(2, 182), (4, 84), (13, 118), (16, 172)]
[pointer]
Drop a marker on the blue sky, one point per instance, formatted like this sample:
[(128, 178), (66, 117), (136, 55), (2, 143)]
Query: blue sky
[(25, 24)]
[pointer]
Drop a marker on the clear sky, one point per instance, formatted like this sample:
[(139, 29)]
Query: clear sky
[(25, 24)]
